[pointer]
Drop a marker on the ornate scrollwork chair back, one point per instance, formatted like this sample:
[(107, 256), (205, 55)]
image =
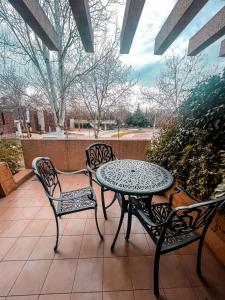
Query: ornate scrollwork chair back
[(67, 202), (173, 228), (47, 174), (97, 155)]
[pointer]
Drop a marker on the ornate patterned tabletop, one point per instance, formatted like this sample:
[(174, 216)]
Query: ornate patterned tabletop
[(134, 177)]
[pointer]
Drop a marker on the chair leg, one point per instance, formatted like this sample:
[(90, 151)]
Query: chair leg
[(199, 256), (57, 234), (123, 209), (96, 220), (103, 204), (113, 200), (156, 273), (129, 222)]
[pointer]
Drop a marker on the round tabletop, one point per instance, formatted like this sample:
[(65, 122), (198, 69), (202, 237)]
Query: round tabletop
[(135, 177)]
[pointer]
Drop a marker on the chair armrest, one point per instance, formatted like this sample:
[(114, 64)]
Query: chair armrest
[(71, 172), (89, 169)]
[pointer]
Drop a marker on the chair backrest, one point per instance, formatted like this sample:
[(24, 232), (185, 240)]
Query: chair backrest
[(186, 220), (99, 154), (46, 173)]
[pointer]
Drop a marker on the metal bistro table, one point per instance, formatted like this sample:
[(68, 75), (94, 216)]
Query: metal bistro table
[(133, 177)]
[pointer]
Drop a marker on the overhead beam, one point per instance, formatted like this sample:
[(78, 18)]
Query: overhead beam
[(222, 49), (181, 15), (82, 18), (35, 17), (208, 34), (131, 18)]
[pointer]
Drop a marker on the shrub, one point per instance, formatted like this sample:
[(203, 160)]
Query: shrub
[(10, 152), (190, 147)]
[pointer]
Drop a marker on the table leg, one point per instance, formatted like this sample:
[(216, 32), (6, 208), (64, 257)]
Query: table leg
[(123, 210)]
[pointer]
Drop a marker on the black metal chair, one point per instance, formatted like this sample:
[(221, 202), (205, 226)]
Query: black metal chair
[(97, 155), (67, 202), (172, 228)]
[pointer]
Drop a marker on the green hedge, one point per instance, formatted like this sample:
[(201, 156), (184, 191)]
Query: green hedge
[(191, 145), (10, 152)]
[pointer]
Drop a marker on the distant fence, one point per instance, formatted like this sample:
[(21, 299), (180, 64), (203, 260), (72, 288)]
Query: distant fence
[(70, 154)]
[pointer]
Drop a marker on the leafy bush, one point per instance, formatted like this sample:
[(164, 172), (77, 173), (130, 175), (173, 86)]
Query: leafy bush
[(10, 152), (191, 145)]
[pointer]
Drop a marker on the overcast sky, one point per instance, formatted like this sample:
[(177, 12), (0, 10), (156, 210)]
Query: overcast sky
[(141, 57)]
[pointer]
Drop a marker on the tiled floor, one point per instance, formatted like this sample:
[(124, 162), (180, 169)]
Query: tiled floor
[(85, 268)]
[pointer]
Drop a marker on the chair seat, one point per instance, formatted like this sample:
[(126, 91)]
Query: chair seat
[(174, 238), (76, 200)]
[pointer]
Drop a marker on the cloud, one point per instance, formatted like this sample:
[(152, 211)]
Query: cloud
[(154, 14)]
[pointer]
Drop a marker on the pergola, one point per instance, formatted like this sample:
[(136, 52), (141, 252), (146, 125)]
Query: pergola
[(181, 15)]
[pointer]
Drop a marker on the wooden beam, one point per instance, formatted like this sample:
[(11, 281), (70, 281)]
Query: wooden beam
[(82, 18), (181, 15), (222, 49), (208, 34), (35, 17), (131, 18)]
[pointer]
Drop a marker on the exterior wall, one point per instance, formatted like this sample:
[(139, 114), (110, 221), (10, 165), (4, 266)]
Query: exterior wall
[(70, 154), (9, 126), (49, 121)]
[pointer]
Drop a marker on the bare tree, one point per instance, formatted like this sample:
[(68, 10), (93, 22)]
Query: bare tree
[(107, 86), (52, 72), (174, 84), (14, 96)]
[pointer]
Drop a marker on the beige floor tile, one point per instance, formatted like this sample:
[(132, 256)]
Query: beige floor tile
[(74, 227), (29, 297), (121, 295), (92, 246), (148, 295), (213, 272), (5, 245), (60, 277), (141, 269), (91, 228), (138, 245), (4, 225), (69, 247), (44, 248), (55, 297), (86, 296), (28, 213), (15, 228), (114, 211), (171, 272), (11, 213), (32, 277), (50, 230), (120, 248), (89, 275), (180, 293), (116, 274), (22, 248), (210, 293), (136, 226), (111, 226), (9, 271), (35, 228), (45, 213)]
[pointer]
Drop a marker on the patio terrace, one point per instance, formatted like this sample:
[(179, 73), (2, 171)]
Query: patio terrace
[(85, 268)]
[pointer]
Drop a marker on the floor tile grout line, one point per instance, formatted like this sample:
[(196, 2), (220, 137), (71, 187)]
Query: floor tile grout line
[(16, 279), (74, 278), (21, 259)]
